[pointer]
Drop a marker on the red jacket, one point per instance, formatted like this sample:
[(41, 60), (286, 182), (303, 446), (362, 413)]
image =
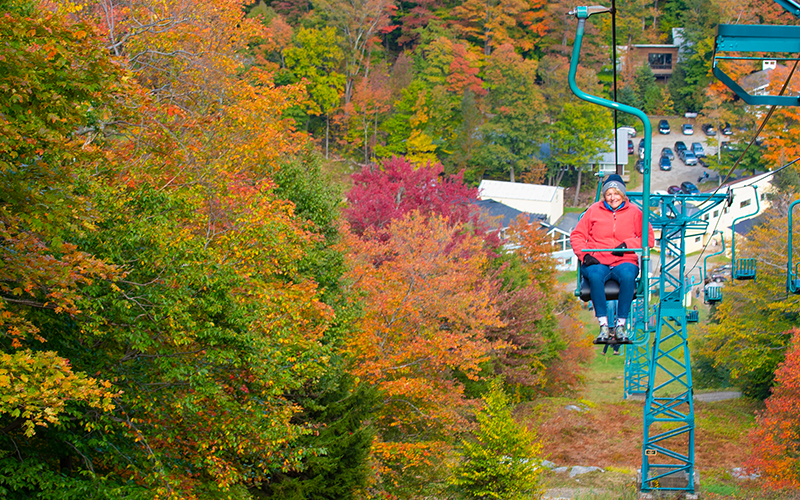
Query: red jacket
[(602, 228)]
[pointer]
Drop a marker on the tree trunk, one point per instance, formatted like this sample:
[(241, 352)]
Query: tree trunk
[(366, 139), (375, 131), (327, 133), (578, 188), (655, 14), (348, 92), (512, 175), (558, 177)]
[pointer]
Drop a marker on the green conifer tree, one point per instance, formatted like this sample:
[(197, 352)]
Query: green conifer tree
[(501, 459)]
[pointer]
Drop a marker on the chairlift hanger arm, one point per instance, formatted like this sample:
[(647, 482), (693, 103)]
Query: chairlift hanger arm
[(737, 270), (582, 13), (705, 261), (792, 282)]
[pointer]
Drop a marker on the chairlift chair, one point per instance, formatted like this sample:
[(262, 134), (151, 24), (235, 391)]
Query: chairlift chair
[(743, 268), (611, 286), (712, 294)]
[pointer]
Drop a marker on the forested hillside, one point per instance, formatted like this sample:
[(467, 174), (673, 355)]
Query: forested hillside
[(186, 314), (193, 309), (482, 86)]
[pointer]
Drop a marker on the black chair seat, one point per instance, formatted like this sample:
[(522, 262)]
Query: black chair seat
[(612, 290)]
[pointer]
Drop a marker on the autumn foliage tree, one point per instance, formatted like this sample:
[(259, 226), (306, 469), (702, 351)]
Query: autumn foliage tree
[(382, 193), (157, 255), (539, 322), (54, 76), (776, 436), (426, 305)]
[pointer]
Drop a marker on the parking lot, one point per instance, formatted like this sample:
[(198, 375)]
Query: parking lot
[(660, 179)]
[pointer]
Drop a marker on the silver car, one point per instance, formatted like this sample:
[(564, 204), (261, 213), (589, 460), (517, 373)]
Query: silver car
[(688, 158)]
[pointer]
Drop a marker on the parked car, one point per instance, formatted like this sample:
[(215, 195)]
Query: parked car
[(640, 166), (688, 158), (720, 274), (630, 147), (668, 153), (630, 130), (654, 198), (673, 190), (687, 129), (664, 163), (708, 129), (726, 129), (689, 188), (679, 146), (725, 269), (641, 147), (697, 149), (663, 127)]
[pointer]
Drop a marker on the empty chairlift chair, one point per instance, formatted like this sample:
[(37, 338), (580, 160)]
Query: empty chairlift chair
[(712, 294), (743, 269)]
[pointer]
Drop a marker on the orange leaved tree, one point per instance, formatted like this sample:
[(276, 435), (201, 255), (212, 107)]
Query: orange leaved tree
[(425, 307)]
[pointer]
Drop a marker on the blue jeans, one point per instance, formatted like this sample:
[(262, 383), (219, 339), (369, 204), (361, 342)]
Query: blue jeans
[(625, 274)]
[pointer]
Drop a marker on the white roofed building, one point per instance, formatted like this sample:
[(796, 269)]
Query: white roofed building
[(530, 198)]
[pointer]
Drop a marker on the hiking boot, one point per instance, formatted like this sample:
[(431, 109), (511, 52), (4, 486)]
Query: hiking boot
[(622, 335), (602, 338)]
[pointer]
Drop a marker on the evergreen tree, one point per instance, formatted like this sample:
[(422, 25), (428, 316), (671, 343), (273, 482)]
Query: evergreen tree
[(647, 92), (334, 407), (501, 460)]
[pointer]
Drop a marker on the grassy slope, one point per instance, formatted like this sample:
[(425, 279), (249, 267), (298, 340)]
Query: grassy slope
[(608, 434)]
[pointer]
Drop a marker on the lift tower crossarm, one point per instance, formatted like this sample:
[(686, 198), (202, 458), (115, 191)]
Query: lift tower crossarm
[(756, 39)]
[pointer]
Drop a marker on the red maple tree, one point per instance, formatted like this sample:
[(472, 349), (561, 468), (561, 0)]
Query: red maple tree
[(382, 193), (776, 435)]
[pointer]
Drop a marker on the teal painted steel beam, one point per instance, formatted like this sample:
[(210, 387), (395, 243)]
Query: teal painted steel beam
[(637, 356), (791, 6), (755, 38)]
